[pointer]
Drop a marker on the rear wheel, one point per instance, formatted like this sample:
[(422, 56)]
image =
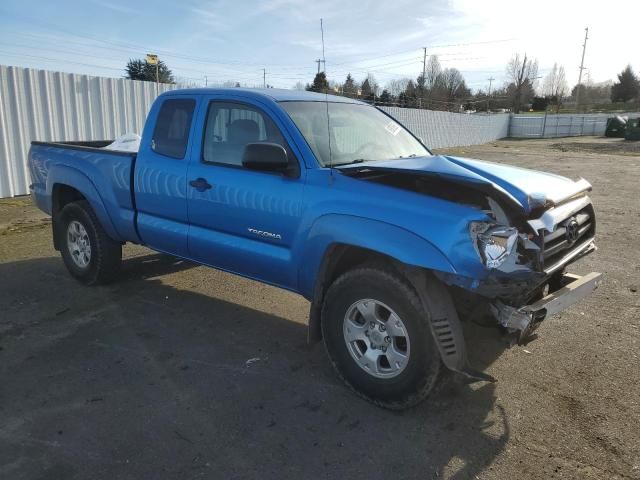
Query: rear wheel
[(89, 254), (377, 335)]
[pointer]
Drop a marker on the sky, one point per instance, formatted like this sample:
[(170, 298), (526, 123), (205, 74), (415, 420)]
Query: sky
[(223, 40)]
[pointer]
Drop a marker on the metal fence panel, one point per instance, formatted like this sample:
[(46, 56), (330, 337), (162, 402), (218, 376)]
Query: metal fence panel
[(446, 129), (45, 105), (552, 126)]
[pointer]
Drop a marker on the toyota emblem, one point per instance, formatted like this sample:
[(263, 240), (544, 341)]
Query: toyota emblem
[(572, 230)]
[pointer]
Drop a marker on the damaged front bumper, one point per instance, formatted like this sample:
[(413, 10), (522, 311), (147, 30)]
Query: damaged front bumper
[(522, 321)]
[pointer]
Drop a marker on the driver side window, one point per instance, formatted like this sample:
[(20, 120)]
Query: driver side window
[(230, 127)]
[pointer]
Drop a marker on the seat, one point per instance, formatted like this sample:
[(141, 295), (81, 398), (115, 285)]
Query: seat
[(240, 133), (243, 131)]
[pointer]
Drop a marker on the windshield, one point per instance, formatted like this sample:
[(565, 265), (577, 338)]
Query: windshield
[(358, 133)]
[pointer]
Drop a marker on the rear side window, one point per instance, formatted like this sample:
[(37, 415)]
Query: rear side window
[(171, 134)]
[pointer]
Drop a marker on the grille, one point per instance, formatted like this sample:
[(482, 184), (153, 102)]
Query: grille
[(568, 235)]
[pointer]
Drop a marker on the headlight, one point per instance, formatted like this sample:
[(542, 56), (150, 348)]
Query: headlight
[(494, 243)]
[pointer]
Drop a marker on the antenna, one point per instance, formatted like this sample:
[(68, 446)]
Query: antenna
[(326, 98)]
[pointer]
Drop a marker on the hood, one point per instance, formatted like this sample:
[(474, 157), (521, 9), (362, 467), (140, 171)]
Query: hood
[(528, 188)]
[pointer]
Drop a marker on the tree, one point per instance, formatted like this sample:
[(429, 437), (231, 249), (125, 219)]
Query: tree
[(522, 73), (453, 84), (144, 71), (385, 96), (397, 87), (319, 84), (350, 88), (540, 104), (555, 86), (593, 93), (420, 83), (365, 89), (410, 94), (433, 71), (627, 88), (369, 88)]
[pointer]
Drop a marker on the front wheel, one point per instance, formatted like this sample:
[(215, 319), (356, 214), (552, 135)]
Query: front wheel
[(378, 338), (89, 254)]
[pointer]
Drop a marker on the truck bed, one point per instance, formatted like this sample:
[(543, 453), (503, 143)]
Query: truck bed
[(105, 176), (84, 145)]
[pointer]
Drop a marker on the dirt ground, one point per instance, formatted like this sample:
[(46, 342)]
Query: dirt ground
[(182, 372)]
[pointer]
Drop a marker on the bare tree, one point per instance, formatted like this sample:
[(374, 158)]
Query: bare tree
[(396, 87), (449, 90), (522, 73), (555, 86), (432, 73)]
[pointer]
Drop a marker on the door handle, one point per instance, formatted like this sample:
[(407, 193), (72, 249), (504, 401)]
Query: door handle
[(200, 184)]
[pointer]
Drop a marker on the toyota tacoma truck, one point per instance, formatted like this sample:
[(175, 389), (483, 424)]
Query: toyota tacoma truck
[(335, 200)]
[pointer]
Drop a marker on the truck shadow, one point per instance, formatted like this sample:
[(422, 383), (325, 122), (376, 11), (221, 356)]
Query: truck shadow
[(143, 379)]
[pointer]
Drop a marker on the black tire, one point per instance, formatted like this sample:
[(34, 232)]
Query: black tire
[(106, 253), (413, 384)]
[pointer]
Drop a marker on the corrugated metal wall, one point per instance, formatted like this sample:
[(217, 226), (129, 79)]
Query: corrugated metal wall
[(551, 126), (45, 105), (446, 129)]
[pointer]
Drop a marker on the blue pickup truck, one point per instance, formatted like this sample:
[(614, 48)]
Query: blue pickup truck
[(335, 200)]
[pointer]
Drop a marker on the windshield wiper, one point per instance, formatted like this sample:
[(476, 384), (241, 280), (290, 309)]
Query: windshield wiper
[(357, 160)]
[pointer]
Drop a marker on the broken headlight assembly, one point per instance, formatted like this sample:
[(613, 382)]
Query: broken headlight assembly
[(494, 243)]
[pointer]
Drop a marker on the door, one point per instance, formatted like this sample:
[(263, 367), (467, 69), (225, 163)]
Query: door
[(242, 220), (160, 175)]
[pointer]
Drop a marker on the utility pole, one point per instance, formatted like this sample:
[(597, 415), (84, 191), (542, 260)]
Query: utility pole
[(320, 61), (205, 81), (489, 94), (264, 78), (582, 67)]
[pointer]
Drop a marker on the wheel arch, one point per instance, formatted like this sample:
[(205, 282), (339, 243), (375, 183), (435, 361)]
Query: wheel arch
[(67, 185)]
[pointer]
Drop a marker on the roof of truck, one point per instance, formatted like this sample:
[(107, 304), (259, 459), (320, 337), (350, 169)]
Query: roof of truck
[(274, 94)]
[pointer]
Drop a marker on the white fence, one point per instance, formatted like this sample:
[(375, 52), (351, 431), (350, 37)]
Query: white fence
[(44, 105), (551, 126), (446, 129)]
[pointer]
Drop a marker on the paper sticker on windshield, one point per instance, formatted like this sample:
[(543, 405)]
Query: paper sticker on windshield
[(393, 128)]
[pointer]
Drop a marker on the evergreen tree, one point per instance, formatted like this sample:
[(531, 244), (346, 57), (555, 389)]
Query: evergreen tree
[(319, 84), (350, 87), (141, 70), (410, 94), (365, 89), (385, 96), (627, 87)]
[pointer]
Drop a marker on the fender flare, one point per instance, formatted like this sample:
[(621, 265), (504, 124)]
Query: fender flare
[(381, 237), (70, 177), (331, 230)]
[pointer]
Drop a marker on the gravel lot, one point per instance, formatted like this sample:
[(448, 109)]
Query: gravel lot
[(183, 372)]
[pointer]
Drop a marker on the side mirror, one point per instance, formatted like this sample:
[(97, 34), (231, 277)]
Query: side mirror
[(266, 157)]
